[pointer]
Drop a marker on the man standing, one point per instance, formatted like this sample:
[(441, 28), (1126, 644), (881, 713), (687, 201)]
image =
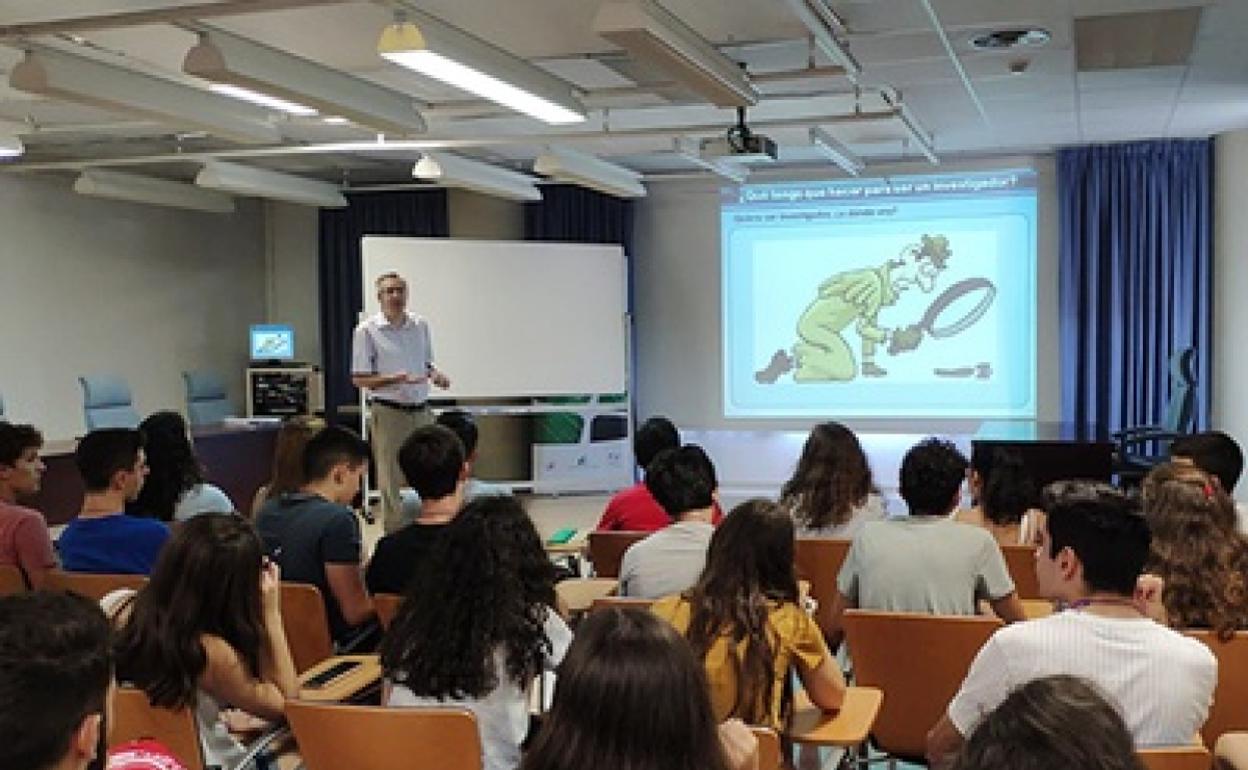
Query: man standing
[(24, 539), (392, 357)]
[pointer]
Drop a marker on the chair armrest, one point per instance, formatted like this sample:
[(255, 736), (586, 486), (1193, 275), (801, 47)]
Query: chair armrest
[(1144, 435), (849, 726)]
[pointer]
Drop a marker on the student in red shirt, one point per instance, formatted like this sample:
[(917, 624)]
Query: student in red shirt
[(24, 539), (635, 509)]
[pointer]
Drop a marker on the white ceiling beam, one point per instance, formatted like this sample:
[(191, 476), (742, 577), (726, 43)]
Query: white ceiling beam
[(239, 179), (77, 79), (136, 188), (155, 12)]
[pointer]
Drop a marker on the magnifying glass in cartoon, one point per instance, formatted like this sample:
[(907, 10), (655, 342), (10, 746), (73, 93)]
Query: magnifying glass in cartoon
[(938, 323)]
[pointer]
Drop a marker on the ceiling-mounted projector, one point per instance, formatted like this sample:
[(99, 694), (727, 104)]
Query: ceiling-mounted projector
[(741, 145)]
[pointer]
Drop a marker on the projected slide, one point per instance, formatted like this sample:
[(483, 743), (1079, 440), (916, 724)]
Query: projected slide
[(901, 297)]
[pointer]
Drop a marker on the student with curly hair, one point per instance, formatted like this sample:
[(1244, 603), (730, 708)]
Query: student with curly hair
[(1196, 551), (831, 493), (631, 696), (175, 489), (206, 631), (745, 623), (476, 625), (1056, 721)]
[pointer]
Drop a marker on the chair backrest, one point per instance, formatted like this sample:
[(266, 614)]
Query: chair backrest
[(107, 403), (92, 586), (1176, 758), (819, 560), (1229, 712), (769, 756), (134, 718), (306, 625), (12, 581), (919, 661), (1181, 408), (621, 602), (1020, 560), (335, 737), (606, 550), (387, 606), (207, 402)]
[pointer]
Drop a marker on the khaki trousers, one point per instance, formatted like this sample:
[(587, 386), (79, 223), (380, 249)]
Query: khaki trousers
[(388, 428)]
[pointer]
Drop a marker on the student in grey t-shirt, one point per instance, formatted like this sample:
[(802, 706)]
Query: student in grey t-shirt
[(925, 562), (670, 560)]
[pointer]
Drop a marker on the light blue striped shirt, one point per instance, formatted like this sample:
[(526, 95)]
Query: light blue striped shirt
[(380, 347)]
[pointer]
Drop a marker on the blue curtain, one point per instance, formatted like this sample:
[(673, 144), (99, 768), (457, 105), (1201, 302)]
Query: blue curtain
[(571, 213), (1135, 277), (412, 213)]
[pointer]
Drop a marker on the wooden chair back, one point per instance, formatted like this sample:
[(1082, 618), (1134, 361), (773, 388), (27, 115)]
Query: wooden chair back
[(1176, 758), (606, 551), (1020, 560), (387, 606), (94, 587), (12, 581), (621, 602), (1229, 712), (334, 737), (134, 718), (769, 754), (818, 561), (919, 661), (306, 625)]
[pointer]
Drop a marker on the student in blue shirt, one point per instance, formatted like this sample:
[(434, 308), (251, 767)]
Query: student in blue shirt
[(103, 539)]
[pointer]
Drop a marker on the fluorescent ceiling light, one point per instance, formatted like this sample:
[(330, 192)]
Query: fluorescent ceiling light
[(262, 183), (834, 150), (651, 34), (587, 171), (442, 52), (100, 183), (11, 146), (690, 150), (79, 79), (826, 27), (287, 81), (456, 171), (264, 100)]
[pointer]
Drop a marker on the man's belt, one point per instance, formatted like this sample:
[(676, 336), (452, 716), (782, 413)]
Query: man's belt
[(402, 407)]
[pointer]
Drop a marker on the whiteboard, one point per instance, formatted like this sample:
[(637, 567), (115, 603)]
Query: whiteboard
[(512, 318)]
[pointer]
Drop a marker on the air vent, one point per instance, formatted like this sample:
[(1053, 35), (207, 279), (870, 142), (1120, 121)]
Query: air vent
[(1007, 39)]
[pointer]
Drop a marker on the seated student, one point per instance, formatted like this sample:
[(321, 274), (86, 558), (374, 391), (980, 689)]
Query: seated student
[(314, 536), (24, 539), (1195, 551), (476, 625), (1217, 454), (207, 632), (1093, 544), (103, 539), (831, 493), (432, 461), (635, 509), (631, 695), (1005, 500), (1048, 723), (56, 682), (745, 623), (465, 429), (670, 560), (925, 562), (287, 477), (175, 489)]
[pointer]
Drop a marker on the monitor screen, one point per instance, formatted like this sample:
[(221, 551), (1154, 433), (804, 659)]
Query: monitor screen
[(272, 342)]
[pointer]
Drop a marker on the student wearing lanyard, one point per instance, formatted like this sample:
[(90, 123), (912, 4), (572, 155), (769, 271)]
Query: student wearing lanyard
[(392, 358)]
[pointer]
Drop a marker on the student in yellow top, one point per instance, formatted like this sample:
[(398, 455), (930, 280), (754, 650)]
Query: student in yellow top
[(748, 591)]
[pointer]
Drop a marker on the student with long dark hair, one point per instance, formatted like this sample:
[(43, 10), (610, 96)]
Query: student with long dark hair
[(831, 492), (287, 477), (744, 621), (206, 631), (1006, 501), (175, 489), (631, 696), (477, 624)]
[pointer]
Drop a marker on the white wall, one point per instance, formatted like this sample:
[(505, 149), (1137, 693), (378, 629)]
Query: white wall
[(92, 286), (677, 272), (1230, 287), (292, 289)]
